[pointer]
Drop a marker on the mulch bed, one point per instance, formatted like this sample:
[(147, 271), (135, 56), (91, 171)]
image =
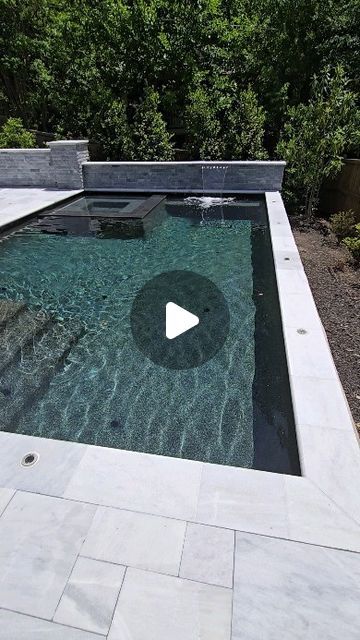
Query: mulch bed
[(335, 284)]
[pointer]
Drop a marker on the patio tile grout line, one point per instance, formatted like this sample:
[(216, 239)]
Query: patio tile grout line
[(233, 586), (73, 566), (117, 601), (183, 547), (15, 491), (217, 526), (50, 621), (159, 573), (338, 506)]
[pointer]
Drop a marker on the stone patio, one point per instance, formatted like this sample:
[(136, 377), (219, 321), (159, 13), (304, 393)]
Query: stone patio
[(99, 542)]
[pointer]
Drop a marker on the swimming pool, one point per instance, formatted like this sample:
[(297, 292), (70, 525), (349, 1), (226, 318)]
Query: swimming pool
[(70, 368)]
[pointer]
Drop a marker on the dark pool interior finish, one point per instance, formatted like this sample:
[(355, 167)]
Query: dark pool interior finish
[(69, 366)]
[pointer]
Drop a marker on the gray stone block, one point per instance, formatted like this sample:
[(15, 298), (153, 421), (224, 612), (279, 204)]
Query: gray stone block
[(184, 176)]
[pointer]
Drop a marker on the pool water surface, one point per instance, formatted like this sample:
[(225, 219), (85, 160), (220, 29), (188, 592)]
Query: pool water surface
[(71, 369)]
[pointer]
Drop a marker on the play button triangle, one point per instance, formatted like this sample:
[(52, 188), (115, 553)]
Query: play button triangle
[(178, 320)]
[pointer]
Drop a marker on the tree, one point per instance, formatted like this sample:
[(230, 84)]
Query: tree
[(230, 69), (225, 122), (13, 135), (316, 136), (203, 126), (112, 131), (151, 140), (244, 128)]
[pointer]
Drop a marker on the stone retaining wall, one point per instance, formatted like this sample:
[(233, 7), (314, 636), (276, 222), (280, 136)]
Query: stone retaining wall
[(59, 166), (167, 177), (65, 165)]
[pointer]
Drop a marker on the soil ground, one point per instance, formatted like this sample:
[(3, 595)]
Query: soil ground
[(335, 284)]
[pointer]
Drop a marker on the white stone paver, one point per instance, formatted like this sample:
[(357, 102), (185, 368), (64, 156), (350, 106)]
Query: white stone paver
[(289, 590), (289, 260), (137, 481), (90, 596), (308, 354), (313, 517), (40, 539), (158, 607), (136, 540), (15, 626), (320, 405), (293, 281), (284, 242), (208, 555), (50, 475), (338, 475), (5, 497), (243, 499), (290, 312), (18, 203)]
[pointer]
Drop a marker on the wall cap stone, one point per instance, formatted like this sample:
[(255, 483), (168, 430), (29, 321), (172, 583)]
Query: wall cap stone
[(174, 163), (24, 151), (56, 143)]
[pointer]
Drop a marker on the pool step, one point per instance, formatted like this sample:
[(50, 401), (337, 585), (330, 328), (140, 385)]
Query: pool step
[(23, 383), (9, 310), (19, 330)]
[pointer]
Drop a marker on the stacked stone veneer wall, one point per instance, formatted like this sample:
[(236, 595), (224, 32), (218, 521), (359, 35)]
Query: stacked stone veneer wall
[(59, 166), (184, 176)]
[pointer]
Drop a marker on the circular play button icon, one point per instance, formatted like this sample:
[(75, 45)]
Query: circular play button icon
[(180, 319)]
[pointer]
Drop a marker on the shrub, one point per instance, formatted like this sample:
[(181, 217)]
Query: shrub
[(353, 244), (244, 129), (342, 223), (13, 135), (316, 136), (203, 126), (151, 140), (225, 123), (113, 132)]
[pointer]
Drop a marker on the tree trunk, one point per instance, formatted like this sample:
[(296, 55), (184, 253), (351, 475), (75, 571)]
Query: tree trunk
[(310, 202)]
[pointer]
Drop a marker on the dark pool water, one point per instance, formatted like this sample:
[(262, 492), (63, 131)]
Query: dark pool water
[(80, 376)]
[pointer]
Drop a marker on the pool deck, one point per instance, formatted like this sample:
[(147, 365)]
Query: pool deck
[(17, 204), (103, 543)]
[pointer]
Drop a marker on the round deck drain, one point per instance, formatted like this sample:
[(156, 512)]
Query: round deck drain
[(30, 459)]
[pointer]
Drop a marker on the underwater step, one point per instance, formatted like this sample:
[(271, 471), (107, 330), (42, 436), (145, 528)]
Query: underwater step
[(24, 382), (22, 330), (9, 310)]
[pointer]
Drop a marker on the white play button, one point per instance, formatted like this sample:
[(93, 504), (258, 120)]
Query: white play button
[(178, 320)]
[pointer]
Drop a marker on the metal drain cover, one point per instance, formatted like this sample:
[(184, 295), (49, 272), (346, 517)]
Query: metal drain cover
[(29, 459)]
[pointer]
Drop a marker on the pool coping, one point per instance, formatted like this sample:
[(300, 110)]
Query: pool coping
[(321, 507), (50, 196)]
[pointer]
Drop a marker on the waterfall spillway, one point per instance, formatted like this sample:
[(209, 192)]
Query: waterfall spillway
[(213, 181)]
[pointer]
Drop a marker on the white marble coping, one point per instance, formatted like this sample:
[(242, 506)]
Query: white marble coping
[(17, 203), (322, 507)]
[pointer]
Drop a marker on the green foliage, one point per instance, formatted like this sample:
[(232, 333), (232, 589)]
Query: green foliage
[(203, 126), (317, 134), (151, 140), (353, 244), (230, 70), (245, 127), (113, 132), (13, 135), (343, 223), (225, 123)]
